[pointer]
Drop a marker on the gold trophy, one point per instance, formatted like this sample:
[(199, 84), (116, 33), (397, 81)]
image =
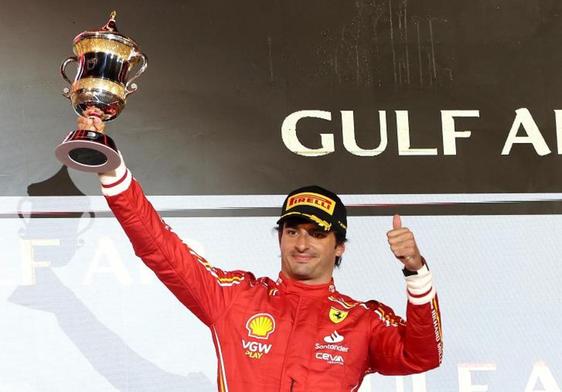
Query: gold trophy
[(104, 79)]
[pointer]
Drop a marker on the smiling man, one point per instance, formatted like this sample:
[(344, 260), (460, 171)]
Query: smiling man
[(312, 230), (296, 333), (308, 253)]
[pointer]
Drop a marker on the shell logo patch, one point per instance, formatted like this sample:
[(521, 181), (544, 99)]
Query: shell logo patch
[(260, 326), (337, 315)]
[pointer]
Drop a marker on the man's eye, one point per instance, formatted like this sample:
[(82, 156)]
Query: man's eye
[(319, 234)]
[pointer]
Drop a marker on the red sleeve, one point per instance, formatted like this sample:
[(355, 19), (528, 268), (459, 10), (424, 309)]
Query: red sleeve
[(207, 291), (401, 347)]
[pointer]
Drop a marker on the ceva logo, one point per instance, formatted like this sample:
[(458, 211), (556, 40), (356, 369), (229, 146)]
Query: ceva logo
[(335, 359)]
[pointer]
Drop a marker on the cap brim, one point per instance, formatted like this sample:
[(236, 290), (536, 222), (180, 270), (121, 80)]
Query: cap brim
[(309, 217)]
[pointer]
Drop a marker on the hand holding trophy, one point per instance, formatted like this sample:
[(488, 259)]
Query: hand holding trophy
[(105, 58)]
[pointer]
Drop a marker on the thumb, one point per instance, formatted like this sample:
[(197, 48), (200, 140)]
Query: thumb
[(396, 222)]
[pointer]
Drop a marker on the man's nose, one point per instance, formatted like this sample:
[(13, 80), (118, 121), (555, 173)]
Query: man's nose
[(302, 241)]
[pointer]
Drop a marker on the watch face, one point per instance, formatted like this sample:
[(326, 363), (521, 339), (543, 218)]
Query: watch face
[(407, 272)]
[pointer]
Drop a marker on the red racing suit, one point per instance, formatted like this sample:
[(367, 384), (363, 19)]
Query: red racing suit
[(281, 335)]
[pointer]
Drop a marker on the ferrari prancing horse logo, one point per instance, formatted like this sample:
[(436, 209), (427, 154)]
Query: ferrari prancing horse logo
[(337, 315)]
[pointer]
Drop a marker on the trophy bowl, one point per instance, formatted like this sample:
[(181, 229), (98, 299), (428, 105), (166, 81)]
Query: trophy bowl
[(108, 62)]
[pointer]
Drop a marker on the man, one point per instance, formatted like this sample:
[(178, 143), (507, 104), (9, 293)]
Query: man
[(297, 333)]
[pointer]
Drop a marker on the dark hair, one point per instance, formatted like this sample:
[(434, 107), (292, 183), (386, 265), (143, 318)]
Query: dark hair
[(340, 237)]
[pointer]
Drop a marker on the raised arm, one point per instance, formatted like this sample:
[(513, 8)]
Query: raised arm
[(416, 345), (207, 291)]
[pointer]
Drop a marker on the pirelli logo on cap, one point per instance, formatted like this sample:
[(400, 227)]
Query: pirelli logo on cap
[(312, 199)]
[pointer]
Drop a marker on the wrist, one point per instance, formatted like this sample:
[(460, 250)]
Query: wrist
[(115, 181), (419, 286), (414, 271)]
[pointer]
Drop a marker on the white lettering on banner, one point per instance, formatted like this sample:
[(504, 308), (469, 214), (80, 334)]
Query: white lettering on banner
[(403, 134), (465, 376), (558, 118), (542, 376), (448, 128), (107, 260), (418, 383), (348, 133), (29, 263), (524, 119), (291, 140)]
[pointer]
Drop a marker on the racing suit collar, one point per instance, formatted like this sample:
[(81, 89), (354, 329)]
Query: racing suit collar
[(289, 285)]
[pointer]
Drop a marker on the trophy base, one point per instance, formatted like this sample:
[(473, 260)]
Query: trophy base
[(88, 151)]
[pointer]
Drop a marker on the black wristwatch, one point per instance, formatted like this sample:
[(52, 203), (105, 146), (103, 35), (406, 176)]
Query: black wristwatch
[(407, 272)]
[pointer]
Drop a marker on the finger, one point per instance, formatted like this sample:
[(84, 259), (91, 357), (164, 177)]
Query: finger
[(410, 243), (398, 232), (83, 122), (402, 243), (86, 124), (396, 222), (91, 111), (98, 123), (404, 251)]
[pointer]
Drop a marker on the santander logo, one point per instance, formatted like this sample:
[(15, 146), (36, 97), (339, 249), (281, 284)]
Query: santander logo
[(335, 337)]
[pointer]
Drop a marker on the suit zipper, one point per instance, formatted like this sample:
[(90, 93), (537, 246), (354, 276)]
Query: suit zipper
[(289, 340)]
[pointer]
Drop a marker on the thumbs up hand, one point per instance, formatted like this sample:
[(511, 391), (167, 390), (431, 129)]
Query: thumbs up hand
[(403, 245)]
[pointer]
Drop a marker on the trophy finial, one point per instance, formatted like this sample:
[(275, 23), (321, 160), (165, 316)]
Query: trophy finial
[(111, 25)]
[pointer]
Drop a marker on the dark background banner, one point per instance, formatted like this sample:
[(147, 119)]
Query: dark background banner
[(223, 77)]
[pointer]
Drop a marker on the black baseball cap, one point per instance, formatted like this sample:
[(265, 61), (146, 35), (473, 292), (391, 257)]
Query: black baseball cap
[(317, 205)]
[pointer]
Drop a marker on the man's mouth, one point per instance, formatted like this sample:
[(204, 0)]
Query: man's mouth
[(302, 257)]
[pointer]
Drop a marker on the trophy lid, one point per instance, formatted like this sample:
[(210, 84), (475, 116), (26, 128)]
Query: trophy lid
[(108, 31)]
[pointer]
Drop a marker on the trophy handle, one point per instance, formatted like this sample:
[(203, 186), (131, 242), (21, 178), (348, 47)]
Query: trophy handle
[(66, 91), (130, 86)]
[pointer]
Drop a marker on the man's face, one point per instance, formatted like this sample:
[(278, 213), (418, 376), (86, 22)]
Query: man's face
[(308, 253)]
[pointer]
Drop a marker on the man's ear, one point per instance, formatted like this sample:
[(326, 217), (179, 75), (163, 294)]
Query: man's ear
[(340, 248)]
